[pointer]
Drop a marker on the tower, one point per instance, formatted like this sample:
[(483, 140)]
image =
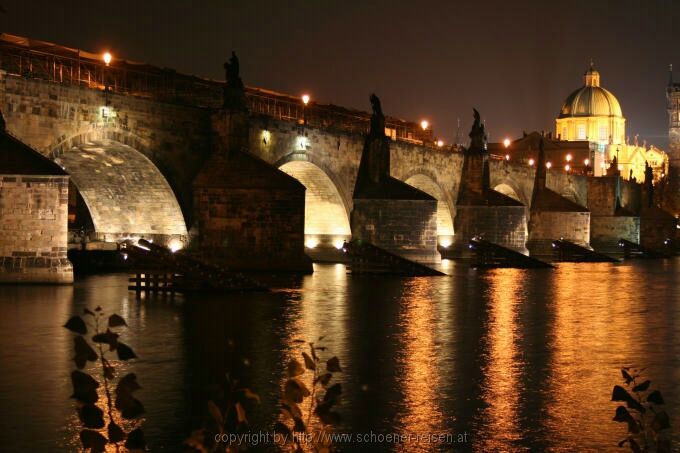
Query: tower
[(673, 97), (671, 197)]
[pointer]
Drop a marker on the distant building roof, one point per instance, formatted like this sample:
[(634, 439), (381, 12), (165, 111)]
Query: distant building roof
[(591, 99)]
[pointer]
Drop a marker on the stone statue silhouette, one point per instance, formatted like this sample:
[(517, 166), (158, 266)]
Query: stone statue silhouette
[(231, 71), (377, 118), (477, 134), (649, 184), (234, 90)]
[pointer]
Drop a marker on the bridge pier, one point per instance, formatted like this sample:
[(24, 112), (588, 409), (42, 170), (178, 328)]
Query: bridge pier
[(389, 213), (33, 216)]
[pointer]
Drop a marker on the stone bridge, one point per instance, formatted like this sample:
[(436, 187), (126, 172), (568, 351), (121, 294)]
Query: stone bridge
[(133, 158)]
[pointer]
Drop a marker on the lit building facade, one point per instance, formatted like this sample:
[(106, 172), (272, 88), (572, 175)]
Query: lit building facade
[(593, 114)]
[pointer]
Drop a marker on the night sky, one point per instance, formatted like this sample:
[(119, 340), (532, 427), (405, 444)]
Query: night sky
[(516, 61)]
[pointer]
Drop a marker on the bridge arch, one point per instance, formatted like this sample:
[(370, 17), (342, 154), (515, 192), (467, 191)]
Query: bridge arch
[(326, 214), (126, 195), (427, 184), (508, 190)]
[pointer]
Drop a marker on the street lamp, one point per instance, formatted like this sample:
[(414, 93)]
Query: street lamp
[(531, 162), (548, 165), (568, 157), (305, 101), (107, 58), (440, 143), (506, 142), (424, 124)]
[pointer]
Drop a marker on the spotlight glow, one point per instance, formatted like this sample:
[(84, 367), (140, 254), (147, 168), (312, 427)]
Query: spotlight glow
[(310, 243)]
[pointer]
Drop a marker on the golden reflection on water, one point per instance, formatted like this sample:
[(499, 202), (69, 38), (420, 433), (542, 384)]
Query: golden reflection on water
[(417, 366), (503, 362), (321, 311), (597, 325)]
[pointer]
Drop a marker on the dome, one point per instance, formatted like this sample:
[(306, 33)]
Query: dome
[(591, 99)]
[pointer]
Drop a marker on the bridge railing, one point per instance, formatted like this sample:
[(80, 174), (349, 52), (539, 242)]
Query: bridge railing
[(33, 59)]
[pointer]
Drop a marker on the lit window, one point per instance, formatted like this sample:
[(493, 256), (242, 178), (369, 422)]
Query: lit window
[(581, 134), (604, 133)]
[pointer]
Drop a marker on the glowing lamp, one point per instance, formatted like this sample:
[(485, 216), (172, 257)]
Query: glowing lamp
[(311, 243), (568, 157), (424, 124), (507, 157), (440, 143), (567, 167), (531, 162), (338, 243), (506, 142), (586, 162), (107, 58), (548, 164), (175, 245), (305, 99), (446, 243)]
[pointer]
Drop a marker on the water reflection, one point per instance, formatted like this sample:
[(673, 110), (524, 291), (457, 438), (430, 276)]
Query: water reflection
[(501, 385), (518, 360), (418, 373)]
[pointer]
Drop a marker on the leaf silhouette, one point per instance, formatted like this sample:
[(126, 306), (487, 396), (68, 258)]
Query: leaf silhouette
[(84, 387), (108, 337), (333, 365), (295, 368), (92, 440), (333, 393), (84, 352), (626, 376), (655, 397), (661, 421), (128, 406), (309, 363), (295, 390), (116, 434), (323, 378), (642, 387), (77, 325), (91, 416), (116, 321), (620, 394), (125, 352)]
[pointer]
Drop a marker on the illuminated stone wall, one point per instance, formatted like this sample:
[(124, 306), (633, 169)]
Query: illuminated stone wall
[(547, 226), (33, 222), (126, 195), (502, 225), (53, 119), (407, 228)]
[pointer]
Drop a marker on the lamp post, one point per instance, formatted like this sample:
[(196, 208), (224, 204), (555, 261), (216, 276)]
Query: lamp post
[(107, 57), (305, 101)]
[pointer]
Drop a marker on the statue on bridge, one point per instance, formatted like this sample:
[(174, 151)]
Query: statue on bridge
[(377, 119), (234, 90), (477, 134)]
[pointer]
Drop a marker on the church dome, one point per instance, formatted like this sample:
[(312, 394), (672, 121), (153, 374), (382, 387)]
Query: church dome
[(591, 99)]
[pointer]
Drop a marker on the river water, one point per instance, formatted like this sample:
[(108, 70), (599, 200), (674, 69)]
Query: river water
[(506, 360)]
